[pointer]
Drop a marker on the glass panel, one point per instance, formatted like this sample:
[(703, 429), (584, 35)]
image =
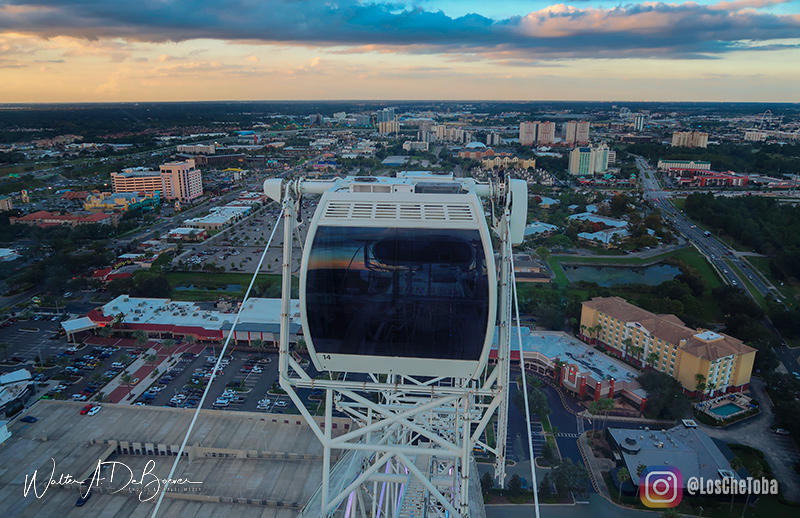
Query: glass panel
[(415, 293)]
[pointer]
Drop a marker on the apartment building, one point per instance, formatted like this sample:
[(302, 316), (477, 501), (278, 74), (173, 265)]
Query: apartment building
[(666, 344), (576, 132), (588, 160), (542, 133), (689, 139)]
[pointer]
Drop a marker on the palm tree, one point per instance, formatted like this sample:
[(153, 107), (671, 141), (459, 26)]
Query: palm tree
[(623, 475), (124, 359), (5, 346), (711, 386), (257, 343), (735, 463), (639, 472), (141, 337), (190, 339), (627, 343), (652, 358), (606, 406), (126, 379), (98, 377), (672, 512), (105, 331), (151, 359), (168, 344), (62, 362), (701, 384)]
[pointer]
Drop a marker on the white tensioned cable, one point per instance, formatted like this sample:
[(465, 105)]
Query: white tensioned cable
[(525, 391), (216, 369)]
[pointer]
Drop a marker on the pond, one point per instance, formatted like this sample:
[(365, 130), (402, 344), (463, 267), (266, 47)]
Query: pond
[(229, 287), (608, 276)]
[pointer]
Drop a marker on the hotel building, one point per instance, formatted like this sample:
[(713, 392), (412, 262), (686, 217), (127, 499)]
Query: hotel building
[(664, 343)]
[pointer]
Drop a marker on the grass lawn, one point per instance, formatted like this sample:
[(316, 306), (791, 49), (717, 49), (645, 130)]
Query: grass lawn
[(679, 203), (789, 290), (561, 277), (212, 285)]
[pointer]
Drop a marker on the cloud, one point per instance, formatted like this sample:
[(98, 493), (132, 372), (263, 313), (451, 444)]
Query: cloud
[(650, 29)]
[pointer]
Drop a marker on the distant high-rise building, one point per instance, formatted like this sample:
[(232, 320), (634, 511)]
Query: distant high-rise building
[(588, 160), (689, 139), (493, 139), (340, 115), (638, 122), (182, 180), (755, 136), (173, 181), (576, 132), (527, 133), (363, 120), (384, 115), (386, 127), (546, 133)]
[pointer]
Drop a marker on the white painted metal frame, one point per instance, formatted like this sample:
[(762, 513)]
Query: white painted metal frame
[(411, 440)]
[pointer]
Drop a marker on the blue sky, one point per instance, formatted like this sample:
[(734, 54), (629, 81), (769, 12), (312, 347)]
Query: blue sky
[(83, 50)]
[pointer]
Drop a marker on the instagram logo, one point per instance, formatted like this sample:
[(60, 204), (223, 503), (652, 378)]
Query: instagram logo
[(661, 487)]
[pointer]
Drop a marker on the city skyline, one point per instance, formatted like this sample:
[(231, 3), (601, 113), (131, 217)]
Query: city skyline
[(286, 50)]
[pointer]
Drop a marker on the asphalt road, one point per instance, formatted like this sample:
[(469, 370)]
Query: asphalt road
[(715, 251)]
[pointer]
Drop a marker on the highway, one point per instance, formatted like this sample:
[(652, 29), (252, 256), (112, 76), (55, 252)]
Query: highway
[(715, 251)]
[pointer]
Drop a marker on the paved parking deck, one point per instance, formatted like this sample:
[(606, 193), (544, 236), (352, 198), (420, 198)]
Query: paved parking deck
[(249, 464)]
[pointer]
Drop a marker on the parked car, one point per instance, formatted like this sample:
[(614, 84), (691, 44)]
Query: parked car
[(83, 499), (85, 410), (28, 419)]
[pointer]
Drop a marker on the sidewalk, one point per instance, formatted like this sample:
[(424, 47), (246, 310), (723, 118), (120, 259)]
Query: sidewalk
[(122, 394)]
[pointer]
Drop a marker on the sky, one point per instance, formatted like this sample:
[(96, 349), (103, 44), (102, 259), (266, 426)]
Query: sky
[(180, 50)]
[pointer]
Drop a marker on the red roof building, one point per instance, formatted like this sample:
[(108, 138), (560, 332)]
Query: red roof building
[(46, 219)]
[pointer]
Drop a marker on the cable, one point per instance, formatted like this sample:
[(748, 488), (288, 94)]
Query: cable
[(216, 369), (525, 391)]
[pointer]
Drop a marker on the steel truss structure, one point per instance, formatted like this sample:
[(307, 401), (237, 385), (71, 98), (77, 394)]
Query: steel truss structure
[(409, 449)]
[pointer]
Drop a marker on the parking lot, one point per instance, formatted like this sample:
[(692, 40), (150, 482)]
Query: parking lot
[(29, 338), (239, 247), (252, 374)]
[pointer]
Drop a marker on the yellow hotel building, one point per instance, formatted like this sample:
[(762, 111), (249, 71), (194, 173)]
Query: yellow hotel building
[(666, 344)]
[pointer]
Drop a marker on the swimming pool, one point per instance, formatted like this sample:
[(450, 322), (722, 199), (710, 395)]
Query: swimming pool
[(726, 409)]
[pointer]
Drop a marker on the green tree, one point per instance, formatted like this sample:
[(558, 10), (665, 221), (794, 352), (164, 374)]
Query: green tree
[(640, 469), (5, 346), (151, 359), (515, 484), (141, 337), (701, 384), (126, 379), (257, 343), (623, 475), (569, 477), (487, 482), (652, 358), (168, 345), (672, 512)]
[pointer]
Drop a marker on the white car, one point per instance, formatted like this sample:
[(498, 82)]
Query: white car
[(280, 403), (265, 402), (79, 397), (256, 370), (94, 410)]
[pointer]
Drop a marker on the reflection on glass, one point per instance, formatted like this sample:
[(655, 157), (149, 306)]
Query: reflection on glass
[(415, 293)]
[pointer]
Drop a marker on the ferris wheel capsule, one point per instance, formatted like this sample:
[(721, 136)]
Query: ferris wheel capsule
[(398, 276)]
